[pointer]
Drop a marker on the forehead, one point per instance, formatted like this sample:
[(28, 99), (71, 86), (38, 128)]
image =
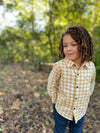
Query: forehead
[(68, 38)]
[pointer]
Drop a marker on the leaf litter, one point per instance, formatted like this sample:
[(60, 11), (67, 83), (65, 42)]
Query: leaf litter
[(25, 106)]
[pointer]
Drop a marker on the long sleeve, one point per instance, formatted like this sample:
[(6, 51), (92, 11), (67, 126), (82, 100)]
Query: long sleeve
[(93, 81), (53, 80)]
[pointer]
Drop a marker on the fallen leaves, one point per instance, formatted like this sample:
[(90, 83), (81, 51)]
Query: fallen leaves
[(2, 93), (26, 107), (36, 95), (16, 105), (1, 110)]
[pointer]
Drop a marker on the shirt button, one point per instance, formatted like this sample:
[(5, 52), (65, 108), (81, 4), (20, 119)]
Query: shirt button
[(76, 86), (74, 108)]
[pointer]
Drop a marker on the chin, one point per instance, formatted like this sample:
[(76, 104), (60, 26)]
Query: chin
[(71, 59)]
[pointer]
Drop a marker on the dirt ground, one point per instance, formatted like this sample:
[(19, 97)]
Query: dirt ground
[(25, 106)]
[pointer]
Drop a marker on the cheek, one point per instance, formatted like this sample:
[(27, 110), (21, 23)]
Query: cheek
[(64, 50), (77, 53), (76, 50)]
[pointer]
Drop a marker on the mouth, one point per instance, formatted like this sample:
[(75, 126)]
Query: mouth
[(70, 54)]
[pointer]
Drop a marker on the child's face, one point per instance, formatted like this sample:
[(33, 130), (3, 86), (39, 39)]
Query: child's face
[(70, 49)]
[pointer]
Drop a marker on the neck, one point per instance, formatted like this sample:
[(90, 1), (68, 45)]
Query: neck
[(78, 63)]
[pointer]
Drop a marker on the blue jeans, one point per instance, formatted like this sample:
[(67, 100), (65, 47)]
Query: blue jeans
[(61, 123)]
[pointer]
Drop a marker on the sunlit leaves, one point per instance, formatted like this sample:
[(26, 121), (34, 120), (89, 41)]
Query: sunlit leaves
[(40, 24)]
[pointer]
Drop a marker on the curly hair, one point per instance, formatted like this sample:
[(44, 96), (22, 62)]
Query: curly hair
[(83, 38)]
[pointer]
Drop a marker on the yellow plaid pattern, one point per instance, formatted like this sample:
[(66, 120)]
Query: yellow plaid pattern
[(70, 88)]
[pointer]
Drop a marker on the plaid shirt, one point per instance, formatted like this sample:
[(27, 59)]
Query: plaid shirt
[(70, 88)]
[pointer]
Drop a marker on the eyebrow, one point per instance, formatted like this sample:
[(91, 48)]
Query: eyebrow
[(71, 42)]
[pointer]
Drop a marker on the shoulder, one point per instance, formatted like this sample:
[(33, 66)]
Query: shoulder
[(59, 63), (92, 66)]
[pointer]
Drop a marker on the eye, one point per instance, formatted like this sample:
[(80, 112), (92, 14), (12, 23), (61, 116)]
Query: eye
[(64, 46), (74, 44)]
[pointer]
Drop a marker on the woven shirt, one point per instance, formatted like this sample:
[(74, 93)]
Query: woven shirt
[(70, 87)]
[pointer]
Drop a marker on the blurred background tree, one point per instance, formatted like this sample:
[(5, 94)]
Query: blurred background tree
[(38, 43)]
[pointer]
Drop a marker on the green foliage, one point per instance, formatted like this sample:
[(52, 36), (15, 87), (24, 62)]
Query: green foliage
[(26, 42), (1, 108), (1, 2), (1, 129), (96, 36), (22, 116)]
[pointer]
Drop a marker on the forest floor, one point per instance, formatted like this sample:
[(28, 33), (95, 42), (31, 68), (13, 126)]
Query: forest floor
[(25, 106)]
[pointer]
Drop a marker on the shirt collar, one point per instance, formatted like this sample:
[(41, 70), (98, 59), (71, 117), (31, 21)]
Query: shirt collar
[(70, 63), (86, 63)]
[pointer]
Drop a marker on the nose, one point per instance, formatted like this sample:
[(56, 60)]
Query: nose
[(69, 48)]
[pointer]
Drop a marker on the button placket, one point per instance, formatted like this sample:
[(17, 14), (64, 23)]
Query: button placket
[(77, 86)]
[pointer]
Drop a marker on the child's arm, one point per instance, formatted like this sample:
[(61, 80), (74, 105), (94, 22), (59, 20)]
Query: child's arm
[(93, 81), (52, 82)]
